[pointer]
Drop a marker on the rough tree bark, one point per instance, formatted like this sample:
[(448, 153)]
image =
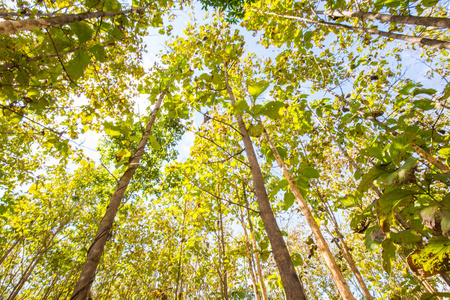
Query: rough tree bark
[(291, 283), (87, 275), (11, 27)]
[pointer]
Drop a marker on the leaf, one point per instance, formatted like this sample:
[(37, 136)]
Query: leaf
[(405, 237), (424, 104), (388, 254), (369, 240), (272, 109), (75, 67), (82, 30), (121, 154), (418, 91), (154, 143), (310, 172), (297, 259), (431, 217), (444, 152), (289, 200), (255, 130), (112, 5), (99, 52), (369, 177), (445, 223), (389, 203), (257, 88), (399, 175)]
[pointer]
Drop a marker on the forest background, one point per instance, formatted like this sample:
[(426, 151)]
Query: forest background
[(318, 164)]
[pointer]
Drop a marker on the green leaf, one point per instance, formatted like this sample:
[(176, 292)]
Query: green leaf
[(82, 30), (75, 67), (405, 90), (445, 223), (154, 143), (297, 259), (255, 130), (272, 109), (388, 254), (99, 52), (405, 237), (389, 203), (399, 175), (370, 176), (257, 88), (289, 199), (424, 104), (112, 5), (310, 172), (423, 91)]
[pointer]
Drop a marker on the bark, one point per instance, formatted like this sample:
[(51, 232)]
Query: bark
[(11, 27), (413, 20), (347, 255), (413, 39), (291, 283), (446, 278), (222, 251), (339, 280), (255, 248), (249, 258), (87, 275)]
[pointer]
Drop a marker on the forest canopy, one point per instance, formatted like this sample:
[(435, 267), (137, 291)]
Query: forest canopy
[(224, 149)]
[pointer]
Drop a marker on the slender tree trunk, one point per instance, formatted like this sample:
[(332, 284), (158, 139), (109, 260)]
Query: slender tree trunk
[(87, 275), (413, 39), (338, 278), (5, 255), (413, 20), (347, 255), (10, 27), (222, 246), (180, 261), (50, 288), (255, 248), (291, 283), (249, 257)]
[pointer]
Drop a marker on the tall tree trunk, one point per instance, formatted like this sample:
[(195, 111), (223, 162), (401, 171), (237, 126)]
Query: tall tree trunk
[(87, 275), (180, 261), (223, 251), (255, 248), (291, 283), (413, 39), (347, 255), (249, 257), (413, 20), (11, 27), (339, 280)]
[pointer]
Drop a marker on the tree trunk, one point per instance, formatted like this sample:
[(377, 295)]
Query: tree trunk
[(87, 275), (347, 255), (255, 248), (222, 250), (413, 39), (338, 278), (11, 27), (291, 283), (5, 255), (249, 257), (413, 20)]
